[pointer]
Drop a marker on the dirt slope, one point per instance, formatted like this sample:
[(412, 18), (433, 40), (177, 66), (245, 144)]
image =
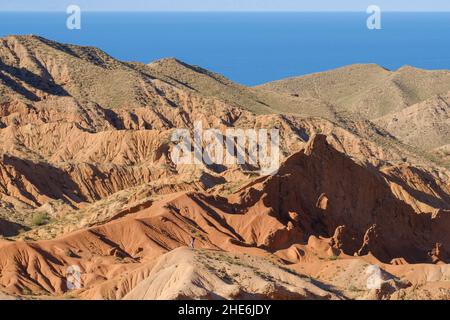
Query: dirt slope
[(256, 220), (426, 124), (187, 274), (367, 89), (87, 180)]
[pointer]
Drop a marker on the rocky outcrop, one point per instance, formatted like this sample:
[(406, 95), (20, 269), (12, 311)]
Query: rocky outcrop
[(87, 180), (360, 216), (334, 196)]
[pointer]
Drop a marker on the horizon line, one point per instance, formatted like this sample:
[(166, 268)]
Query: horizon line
[(223, 11)]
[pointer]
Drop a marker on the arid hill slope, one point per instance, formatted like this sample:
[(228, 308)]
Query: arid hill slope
[(345, 210), (98, 126), (426, 124), (87, 179), (410, 104), (367, 89)]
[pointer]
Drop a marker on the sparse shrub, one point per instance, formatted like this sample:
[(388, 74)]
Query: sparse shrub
[(353, 288), (27, 292), (40, 219)]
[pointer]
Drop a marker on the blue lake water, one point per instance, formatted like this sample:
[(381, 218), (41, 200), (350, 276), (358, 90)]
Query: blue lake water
[(253, 48)]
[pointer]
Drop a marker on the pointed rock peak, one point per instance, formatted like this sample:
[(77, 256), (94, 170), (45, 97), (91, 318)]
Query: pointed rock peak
[(317, 146), (317, 143)]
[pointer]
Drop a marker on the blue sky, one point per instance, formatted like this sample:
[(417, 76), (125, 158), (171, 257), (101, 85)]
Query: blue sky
[(225, 5)]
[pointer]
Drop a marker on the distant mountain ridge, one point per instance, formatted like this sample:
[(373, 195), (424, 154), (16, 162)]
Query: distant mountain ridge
[(409, 103), (367, 89)]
